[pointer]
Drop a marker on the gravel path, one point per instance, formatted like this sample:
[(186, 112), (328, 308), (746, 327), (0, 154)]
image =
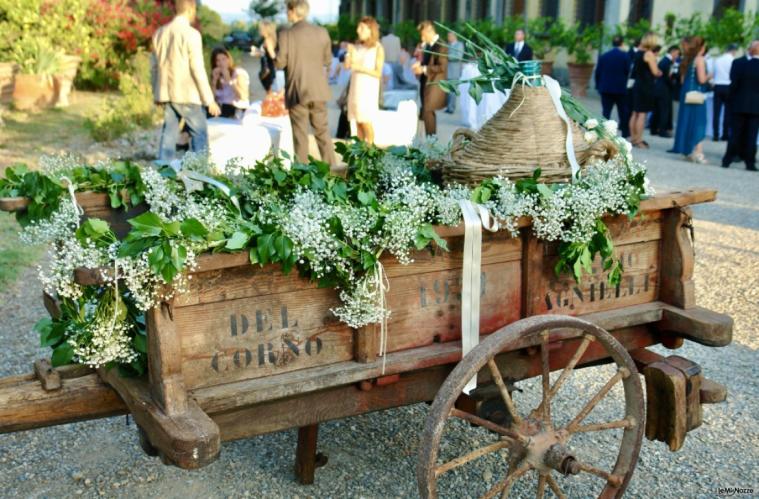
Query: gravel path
[(375, 455)]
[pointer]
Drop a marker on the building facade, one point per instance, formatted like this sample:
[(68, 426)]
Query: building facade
[(611, 12)]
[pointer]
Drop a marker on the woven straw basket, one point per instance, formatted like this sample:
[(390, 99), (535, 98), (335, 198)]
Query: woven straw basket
[(525, 134)]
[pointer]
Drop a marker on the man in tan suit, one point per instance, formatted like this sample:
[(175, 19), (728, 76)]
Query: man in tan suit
[(432, 69), (180, 82), (304, 52)]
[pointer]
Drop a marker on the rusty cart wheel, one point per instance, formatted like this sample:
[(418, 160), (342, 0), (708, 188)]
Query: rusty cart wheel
[(528, 444)]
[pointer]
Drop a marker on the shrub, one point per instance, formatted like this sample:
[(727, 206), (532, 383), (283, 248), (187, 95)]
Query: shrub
[(132, 109)]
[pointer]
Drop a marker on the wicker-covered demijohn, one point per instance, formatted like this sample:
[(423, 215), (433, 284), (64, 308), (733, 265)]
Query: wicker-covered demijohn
[(525, 134)]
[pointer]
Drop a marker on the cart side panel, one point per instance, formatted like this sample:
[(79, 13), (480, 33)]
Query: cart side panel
[(637, 246), (258, 336), (426, 304)]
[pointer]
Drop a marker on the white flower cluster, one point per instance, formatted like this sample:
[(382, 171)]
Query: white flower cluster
[(362, 305), (163, 195), (61, 225), (306, 223), (59, 165), (509, 205)]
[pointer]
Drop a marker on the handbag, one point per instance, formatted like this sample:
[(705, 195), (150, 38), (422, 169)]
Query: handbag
[(695, 97)]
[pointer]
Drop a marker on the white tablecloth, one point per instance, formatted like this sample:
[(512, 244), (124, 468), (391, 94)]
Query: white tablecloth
[(250, 138), (475, 115)]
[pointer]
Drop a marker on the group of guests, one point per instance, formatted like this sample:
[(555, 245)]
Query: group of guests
[(640, 83), (303, 51)]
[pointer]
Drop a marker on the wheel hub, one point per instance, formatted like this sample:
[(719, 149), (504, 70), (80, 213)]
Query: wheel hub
[(545, 449)]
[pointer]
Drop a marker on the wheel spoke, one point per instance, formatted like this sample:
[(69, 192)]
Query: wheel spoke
[(622, 423), (614, 480), (546, 380), (496, 374), (459, 461), (504, 485), (623, 372), (488, 424), (555, 487), (541, 486), (569, 367)]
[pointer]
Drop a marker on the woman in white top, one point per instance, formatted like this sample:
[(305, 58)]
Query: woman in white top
[(365, 60), (230, 84)]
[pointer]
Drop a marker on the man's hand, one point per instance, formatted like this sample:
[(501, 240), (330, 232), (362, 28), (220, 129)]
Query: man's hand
[(214, 110)]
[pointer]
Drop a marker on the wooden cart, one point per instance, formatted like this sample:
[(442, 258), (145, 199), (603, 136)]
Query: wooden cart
[(249, 351)]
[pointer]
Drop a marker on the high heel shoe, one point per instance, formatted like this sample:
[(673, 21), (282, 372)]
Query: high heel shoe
[(697, 158)]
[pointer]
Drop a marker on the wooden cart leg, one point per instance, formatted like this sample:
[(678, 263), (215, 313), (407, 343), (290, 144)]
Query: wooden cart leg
[(306, 457)]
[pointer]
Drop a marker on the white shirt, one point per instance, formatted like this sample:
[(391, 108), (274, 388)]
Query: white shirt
[(722, 67), (518, 46)]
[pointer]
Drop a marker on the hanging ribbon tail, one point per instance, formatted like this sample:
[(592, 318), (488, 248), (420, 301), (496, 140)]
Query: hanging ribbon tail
[(554, 89), (470, 293), (72, 194), (382, 286)]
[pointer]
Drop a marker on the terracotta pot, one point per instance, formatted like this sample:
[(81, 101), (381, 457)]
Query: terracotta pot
[(64, 80), (8, 72), (32, 92), (547, 68), (579, 76)]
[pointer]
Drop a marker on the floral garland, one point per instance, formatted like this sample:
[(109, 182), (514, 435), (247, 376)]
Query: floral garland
[(331, 229)]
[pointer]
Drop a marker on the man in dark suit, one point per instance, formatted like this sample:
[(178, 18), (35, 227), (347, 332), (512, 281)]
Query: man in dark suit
[(432, 69), (519, 49), (661, 118), (611, 82), (744, 106), (304, 52)]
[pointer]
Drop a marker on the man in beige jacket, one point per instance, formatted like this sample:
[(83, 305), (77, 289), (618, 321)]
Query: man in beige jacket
[(180, 82)]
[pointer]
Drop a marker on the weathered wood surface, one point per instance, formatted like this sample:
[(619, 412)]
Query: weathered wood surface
[(165, 360), (693, 380), (712, 392), (676, 281), (14, 204), (25, 404), (698, 324), (306, 457), (666, 416), (260, 336), (189, 439), (49, 378)]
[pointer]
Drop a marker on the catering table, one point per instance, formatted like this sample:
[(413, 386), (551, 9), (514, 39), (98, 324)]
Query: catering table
[(250, 138)]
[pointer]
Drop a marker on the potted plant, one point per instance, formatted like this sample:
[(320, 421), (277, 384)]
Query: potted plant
[(580, 42), (38, 62), (64, 79), (545, 34)]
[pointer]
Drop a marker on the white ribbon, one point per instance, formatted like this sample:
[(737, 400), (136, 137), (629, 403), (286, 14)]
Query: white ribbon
[(194, 181), (475, 218), (382, 286), (72, 193), (554, 89)]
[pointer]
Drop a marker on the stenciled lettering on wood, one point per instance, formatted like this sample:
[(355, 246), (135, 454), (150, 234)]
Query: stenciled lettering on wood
[(290, 347), (441, 291), (638, 283)]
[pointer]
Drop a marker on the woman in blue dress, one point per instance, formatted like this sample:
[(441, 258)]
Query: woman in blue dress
[(691, 118)]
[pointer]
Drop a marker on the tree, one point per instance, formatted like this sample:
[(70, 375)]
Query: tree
[(264, 9), (211, 25)]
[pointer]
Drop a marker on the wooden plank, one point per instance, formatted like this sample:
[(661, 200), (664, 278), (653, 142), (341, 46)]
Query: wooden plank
[(225, 277), (427, 307), (26, 405), (325, 405), (712, 392), (261, 336), (698, 324), (366, 343), (253, 391), (165, 360), (677, 260), (545, 292), (48, 377), (693, 379), (675, 199), (666, 418), (189, 440), (13, 204), (305, 454)]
